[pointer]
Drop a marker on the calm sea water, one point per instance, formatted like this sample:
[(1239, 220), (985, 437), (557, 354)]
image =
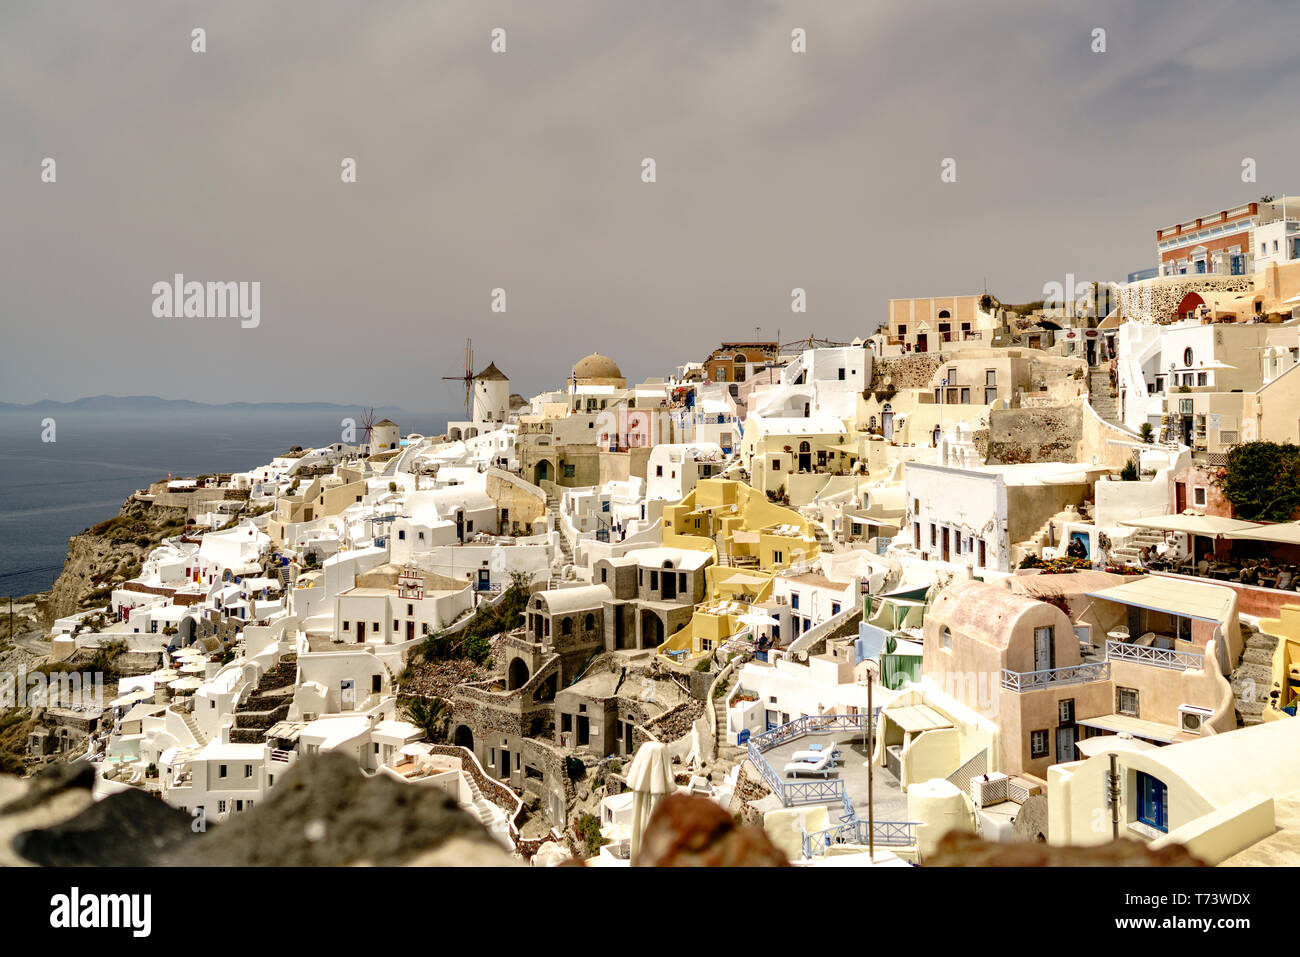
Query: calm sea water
[(52, 491)]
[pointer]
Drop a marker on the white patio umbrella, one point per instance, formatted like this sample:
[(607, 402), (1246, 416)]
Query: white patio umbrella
[(650, 777), (185, 684), (757, 619)]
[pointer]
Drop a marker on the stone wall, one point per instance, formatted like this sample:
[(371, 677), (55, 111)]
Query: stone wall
[(1156, 300), (912, 371), (1024, 435)]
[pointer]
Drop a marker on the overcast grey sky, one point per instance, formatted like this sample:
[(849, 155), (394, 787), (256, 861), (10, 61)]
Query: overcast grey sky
[(522, 170)]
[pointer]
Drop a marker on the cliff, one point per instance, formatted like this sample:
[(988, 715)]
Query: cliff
[(106, 555)]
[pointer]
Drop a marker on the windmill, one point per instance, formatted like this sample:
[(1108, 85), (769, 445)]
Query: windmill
[(467, 378), (367, 426)]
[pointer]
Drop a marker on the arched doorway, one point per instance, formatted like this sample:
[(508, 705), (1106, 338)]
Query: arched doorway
[(805, 457), (517, 674), (544, 472), (652, 630), (464, 737)]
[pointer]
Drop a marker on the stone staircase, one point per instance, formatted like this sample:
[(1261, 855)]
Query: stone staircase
[(1127, 554), (192, 723), (268, 704), (728, 755), (1253, 679), (566, 550), (823, 540), (1099, 396)]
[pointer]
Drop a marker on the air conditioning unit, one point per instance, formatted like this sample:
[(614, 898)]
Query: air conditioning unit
[(1192, 719), (988, 789)]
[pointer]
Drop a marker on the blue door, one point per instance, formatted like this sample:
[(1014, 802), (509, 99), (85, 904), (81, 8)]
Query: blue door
[(1152, 801), (772, 720)]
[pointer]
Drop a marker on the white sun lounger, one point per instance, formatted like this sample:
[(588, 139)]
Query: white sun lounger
[(816, 756), (822, 767)]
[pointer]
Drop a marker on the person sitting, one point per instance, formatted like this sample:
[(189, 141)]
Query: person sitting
[(1144, 557), (1076, 549), (1249, 575)]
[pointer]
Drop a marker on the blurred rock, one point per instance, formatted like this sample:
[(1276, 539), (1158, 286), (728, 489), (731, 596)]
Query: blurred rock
[(127, 829), (967, 850), (690, 831), (325, 812)]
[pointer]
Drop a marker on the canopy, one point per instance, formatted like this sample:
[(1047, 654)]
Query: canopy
[(185, 684), (1124, 741), (1173, 596), (1164, 733), (1211, 525), (1288, 533), (917, 717)]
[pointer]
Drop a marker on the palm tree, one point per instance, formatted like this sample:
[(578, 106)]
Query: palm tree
[(430, 715)]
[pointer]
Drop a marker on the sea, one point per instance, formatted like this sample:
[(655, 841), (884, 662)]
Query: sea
[(50, 491)]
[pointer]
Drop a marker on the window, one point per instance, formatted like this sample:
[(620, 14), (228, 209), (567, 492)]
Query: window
[(374, 626), (945, 638), (835, 608), (1187, 358), (221, 807), (1038, 744), (248, 770), (569, 471), (1065, 711), (1198, 493), (794, 599), (965, 396), (841, 375), (659, 471), (347, 626), (410, 610), (401, 535), (566, 722), (1152, 802), (221, 770), (776, 465), (778, 557), (1126, 701)]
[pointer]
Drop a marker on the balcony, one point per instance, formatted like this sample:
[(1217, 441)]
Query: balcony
[(1156, 657), (1022, 681)]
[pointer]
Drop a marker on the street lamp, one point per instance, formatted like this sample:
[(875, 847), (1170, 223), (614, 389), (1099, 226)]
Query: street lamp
[(869, 675)]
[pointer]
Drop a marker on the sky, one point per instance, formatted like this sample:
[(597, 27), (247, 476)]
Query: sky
[(522, 171)]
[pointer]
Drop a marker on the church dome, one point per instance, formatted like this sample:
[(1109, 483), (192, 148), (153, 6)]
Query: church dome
[(597, 367)]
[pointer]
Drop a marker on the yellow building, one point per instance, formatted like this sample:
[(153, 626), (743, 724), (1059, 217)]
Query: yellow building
[(1285, 691), (751, 540)]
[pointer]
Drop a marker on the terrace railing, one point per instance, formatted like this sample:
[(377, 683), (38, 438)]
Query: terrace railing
[(1156, 657), (802, 792), (886, 834), (1022, 681)]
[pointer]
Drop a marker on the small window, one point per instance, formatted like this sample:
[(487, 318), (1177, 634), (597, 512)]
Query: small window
[(841, 375), (1198, 495), (1038, 744), (1126, 701), (374, 626), (1065, 711), (248, 770), (221, 770), (347, 626), (1152, 802), (945, 638), (659, 471)]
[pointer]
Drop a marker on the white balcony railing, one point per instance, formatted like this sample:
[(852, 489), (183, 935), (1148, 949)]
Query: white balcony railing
[(1156, 657)]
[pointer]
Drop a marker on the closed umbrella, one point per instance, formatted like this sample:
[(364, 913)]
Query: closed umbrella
[(650, 777)]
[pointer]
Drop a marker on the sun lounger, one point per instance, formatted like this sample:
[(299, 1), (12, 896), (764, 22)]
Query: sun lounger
[(815, 756), (822, 767)]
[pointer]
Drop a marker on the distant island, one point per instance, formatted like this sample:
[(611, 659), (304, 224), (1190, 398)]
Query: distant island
[(153, 403)]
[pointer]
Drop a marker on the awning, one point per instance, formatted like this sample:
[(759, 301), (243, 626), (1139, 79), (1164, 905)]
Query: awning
[(1116, 723), (1173, 596), (917, 717), (1105, 742), (1211, 525), (1287, 533)]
